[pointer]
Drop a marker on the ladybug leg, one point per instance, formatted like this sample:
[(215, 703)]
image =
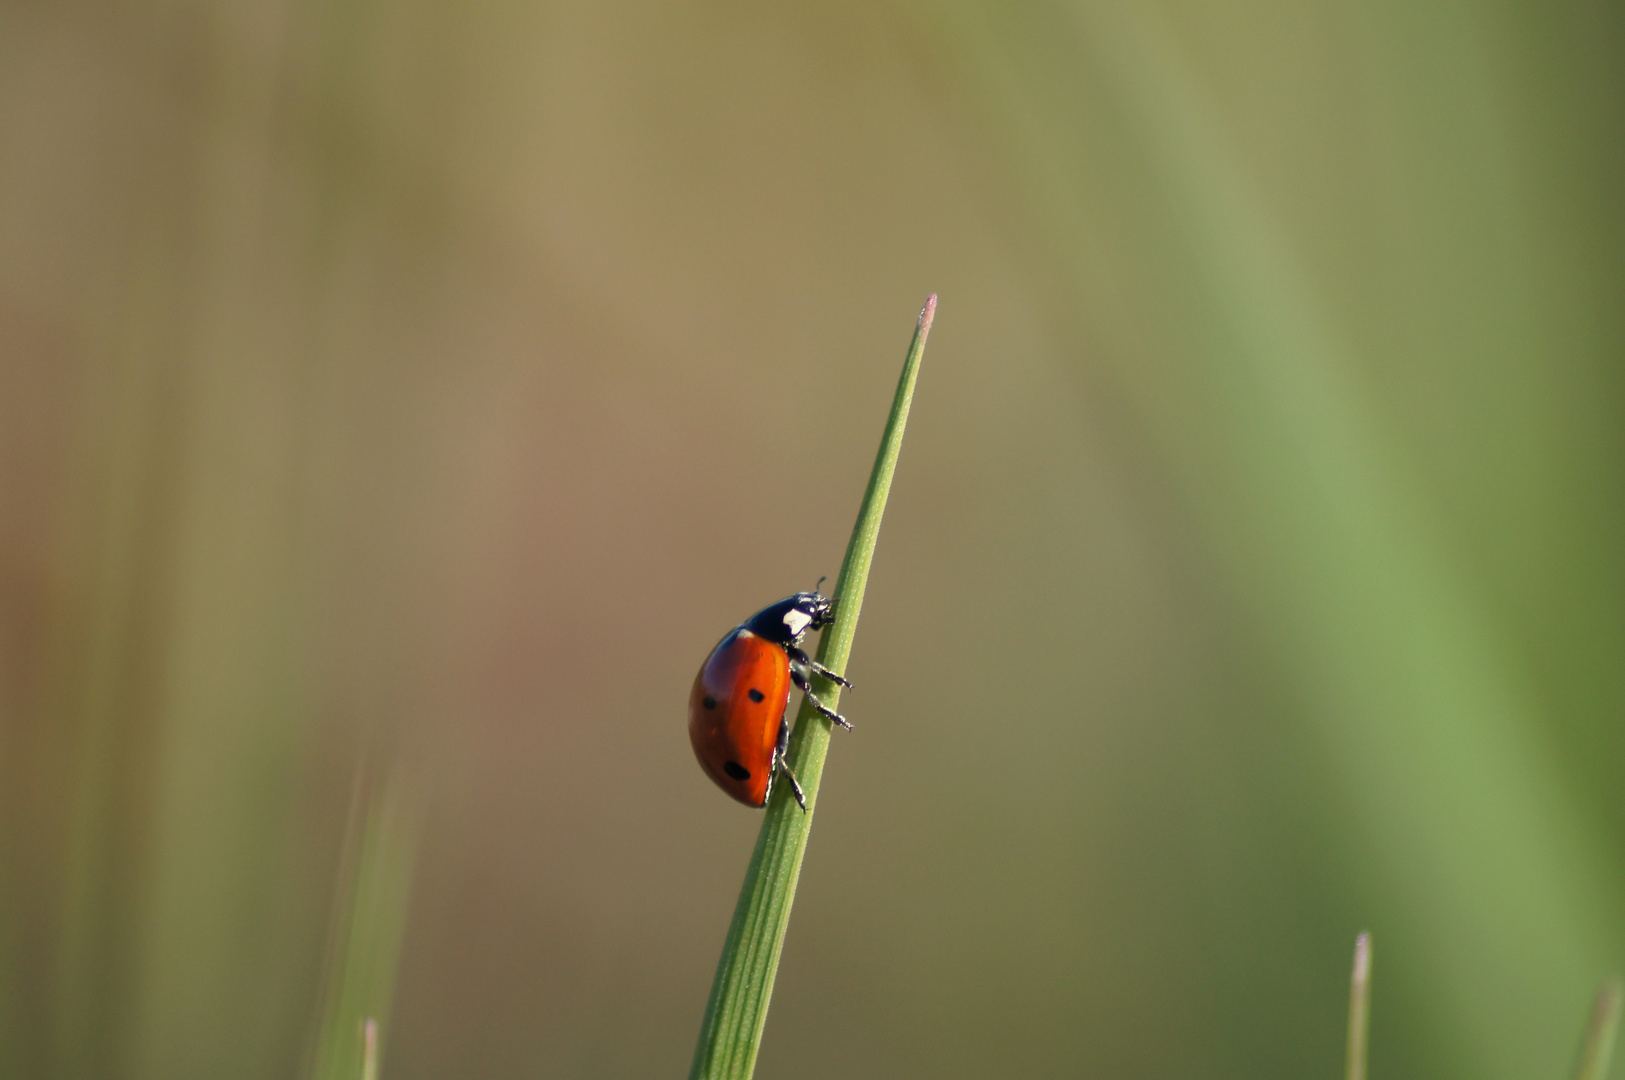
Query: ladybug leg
[(802, 684), (798, 654), (782, 763), (795, 785)]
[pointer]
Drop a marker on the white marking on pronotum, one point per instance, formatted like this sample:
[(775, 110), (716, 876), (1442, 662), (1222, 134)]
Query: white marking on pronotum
[(796, 620)]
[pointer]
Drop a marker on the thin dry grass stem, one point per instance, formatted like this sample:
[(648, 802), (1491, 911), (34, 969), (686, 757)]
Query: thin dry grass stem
[(369, 1049), (1359, 1009)]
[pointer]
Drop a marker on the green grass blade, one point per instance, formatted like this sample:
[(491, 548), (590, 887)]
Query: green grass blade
[(737, 1011), (1359, 1009), (1598, 1048)]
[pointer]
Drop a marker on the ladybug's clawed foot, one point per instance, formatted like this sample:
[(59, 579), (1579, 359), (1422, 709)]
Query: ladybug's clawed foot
[(830, 675), (800, 656), (795, 785), (827, 673), (805, 686), (829, 712)]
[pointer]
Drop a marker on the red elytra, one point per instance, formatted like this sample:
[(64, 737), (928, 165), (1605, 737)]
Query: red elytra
[(736, 719)]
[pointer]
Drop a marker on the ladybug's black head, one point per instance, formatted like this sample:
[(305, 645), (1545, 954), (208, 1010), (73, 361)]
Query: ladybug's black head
[(786, 621)]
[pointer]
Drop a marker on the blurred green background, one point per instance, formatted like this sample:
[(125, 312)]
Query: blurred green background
[(420, 389)]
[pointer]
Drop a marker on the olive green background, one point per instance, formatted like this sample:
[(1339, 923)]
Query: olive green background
[(421, 389)]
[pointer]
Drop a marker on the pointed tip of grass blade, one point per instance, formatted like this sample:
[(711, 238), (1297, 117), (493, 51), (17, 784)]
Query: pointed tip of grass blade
[(927, 313), (1359, 1009), (1598, 1049)]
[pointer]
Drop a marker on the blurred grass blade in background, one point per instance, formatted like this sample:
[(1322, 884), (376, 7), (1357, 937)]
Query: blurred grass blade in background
[(1598, 1049), (369, 917), (1309, 513), (1359, 1009), (731, 1033)]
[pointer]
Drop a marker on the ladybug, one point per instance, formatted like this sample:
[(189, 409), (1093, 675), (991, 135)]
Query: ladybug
[(736, 717)]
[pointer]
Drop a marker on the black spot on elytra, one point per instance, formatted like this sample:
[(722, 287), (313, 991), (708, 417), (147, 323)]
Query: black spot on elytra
[(736, 770), (756, 695), (709, 702)]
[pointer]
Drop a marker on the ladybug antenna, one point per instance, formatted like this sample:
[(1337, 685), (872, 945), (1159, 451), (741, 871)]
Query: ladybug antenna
[(820, 584)]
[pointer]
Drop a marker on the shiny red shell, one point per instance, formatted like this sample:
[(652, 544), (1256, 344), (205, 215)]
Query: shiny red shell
[(735, 711)]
